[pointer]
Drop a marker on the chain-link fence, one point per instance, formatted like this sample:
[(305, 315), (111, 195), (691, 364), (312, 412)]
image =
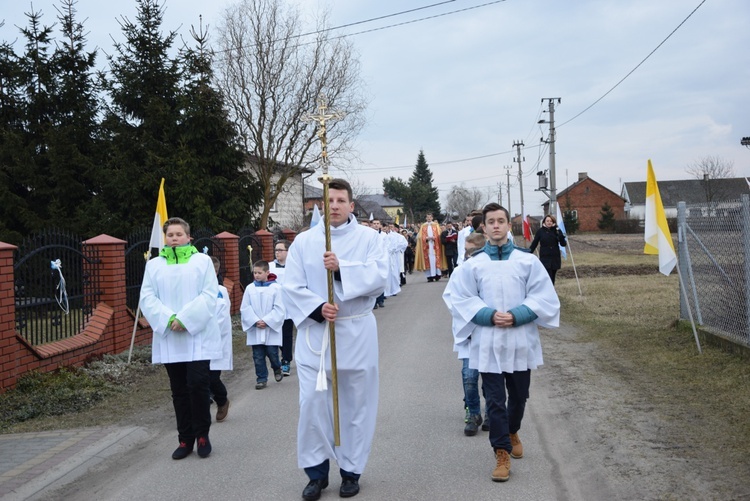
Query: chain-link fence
[(714, 242)]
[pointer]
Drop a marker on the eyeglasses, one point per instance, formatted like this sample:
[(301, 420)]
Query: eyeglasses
[(279, 250)]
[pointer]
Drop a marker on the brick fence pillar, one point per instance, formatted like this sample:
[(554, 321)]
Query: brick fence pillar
[(265, 238), (8, 344), (111, 253), (231, 269), (289, 234)]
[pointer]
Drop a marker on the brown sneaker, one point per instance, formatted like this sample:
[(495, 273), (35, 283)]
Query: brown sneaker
[(517, 452), (501, 473), (222, 411)]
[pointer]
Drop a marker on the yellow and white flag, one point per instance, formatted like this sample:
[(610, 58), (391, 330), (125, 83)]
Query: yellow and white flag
[(657, 236), (160, 217)]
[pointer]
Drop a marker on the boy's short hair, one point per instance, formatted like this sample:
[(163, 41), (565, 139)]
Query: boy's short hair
[(341, 184), (492, 207), (216, 261), (476, 239), (476, 221), (176, 220), (263, 265), (285, 243)]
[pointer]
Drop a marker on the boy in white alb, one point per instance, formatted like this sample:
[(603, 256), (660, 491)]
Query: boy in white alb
[(262, 312), (498, 298), (223, 309)]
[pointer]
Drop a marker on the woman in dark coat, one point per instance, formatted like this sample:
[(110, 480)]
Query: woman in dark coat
[(547, 238)]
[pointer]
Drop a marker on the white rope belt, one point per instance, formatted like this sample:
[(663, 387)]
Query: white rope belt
[(322, 383)]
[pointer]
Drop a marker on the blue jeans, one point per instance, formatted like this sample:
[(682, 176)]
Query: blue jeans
[(505, 420), (471, 388), (260, 352)]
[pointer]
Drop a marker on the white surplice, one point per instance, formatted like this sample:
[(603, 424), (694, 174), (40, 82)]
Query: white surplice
[(188, 290), (481, 282), (396, 244), (363, 266), (223, 309), (263, 303)]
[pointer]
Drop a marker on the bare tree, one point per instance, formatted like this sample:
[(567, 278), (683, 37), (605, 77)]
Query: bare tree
[(271, 73), (462, 200), (708, 170)]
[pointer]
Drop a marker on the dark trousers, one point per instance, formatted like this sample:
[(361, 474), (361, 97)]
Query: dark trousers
[(287, 341), (505, 419), (218, 390), (452, 262), (321, 471), (380, 301), (552, 274), (189, 382)]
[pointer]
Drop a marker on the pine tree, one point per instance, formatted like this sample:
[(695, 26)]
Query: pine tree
[(218, 190), (73, 141), (142, 121), (419, 196), (606, 218), (426, 196), (14, 211)]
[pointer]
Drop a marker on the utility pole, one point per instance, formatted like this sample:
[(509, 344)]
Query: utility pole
[(518, 145), (551, 141), (507, 174), (499, 193)]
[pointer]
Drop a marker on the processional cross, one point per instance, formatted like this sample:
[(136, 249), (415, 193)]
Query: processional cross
[(323, 115)]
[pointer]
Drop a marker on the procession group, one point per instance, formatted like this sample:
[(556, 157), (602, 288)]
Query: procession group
[(497, 295)]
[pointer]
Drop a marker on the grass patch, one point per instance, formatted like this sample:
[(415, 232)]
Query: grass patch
[(633, 319)]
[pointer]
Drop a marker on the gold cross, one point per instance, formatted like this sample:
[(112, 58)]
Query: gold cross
[(322, 116)]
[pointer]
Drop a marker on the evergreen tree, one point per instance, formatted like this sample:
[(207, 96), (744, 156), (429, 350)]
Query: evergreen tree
[(215, 186), (14, 211), (419, 196), (74, 154), (426, 196), (141, 122), (606, 218)]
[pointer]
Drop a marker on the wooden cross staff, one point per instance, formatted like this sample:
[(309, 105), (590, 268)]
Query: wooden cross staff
[(322, 116)]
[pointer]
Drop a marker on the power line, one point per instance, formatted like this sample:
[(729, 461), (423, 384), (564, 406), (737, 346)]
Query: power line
[(636, 67)]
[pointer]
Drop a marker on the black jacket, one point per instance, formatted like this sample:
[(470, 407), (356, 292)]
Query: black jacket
[(549, 253)]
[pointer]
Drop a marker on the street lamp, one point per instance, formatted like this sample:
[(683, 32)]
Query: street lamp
[(745, 142)]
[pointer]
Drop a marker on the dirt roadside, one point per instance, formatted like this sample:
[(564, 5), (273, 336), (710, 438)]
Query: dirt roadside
[(647, 445)]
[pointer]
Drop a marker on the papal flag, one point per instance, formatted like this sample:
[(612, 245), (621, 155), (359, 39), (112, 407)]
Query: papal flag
[(160, 217), (657, 236), (561, 226)]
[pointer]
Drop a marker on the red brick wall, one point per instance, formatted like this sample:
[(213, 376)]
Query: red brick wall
[(110, 328), (587, 197)]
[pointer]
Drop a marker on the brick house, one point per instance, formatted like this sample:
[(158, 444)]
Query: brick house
[(586, 198)]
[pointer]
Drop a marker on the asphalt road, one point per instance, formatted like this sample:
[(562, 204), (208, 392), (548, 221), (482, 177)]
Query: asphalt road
[(419, 451)]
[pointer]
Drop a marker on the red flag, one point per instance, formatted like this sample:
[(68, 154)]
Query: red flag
[(526, 228)]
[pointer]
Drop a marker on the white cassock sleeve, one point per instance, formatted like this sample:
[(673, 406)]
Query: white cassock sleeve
[(365, 274), (462, 298), (247, 313)]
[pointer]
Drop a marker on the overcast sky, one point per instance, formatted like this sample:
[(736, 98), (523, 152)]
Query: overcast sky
[(469, 84)]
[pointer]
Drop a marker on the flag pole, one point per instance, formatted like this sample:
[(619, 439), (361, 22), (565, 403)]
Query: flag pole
[(326, 178), (689, 309), (575, 271)]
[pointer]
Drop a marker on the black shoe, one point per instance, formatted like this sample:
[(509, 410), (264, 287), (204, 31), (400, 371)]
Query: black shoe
[(204, 447), (376, 306), (472, 425), (277, 375), (430, 279), (349, 487), (183, 450), (313, 488), (382, 305)]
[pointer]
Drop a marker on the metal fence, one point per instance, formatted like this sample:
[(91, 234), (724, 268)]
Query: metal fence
[(249, 252), (137, 253), (713, 246), (56, 284)]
